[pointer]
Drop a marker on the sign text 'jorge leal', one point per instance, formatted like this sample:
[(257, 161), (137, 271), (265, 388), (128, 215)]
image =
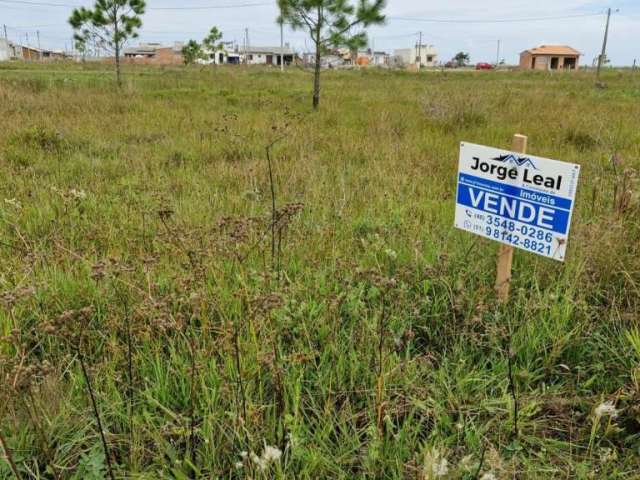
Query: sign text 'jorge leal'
[(516, 199)]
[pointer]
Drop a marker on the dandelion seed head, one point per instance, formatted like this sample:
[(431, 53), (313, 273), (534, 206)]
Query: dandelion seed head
[(77, 194), (607, 455), (441, 468), (13, 202), (435, 464), (258, 461), (606, 409), (271, 454)]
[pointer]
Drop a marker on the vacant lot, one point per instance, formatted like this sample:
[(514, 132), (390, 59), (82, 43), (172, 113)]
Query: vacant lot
[(147, 278)]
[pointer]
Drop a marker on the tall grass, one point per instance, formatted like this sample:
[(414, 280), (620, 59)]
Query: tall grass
[(338, 319)]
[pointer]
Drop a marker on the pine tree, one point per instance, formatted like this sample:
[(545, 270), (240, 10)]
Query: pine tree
[(212, 43), (330, 23), (111, 23)]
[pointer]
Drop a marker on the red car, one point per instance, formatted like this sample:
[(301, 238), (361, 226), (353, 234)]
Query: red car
[(484, 66)]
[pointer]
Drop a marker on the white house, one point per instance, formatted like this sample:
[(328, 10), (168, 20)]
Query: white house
[(326, 61), (5, 51), (220, 57), (268, 55), (420, 55), (380, 59), (227, 54), (9, 50)]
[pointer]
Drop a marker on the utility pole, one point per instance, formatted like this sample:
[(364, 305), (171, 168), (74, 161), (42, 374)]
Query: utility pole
[(420, 51), (604, 45), (246, 46), (26, 36), (282, 46), (6, 37), (39, 49), (498, 55)]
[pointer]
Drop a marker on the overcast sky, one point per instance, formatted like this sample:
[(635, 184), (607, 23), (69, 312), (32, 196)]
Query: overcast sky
[(472, 30)]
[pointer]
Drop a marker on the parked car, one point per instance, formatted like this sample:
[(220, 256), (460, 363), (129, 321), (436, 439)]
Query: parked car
[(484, 66)]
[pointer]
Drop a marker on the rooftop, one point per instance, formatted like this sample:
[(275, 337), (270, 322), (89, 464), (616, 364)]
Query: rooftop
[(151, 48), (44, 51), (553, 50), (277, 50)]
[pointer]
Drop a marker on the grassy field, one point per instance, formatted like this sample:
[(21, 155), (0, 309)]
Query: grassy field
[(147, 281)]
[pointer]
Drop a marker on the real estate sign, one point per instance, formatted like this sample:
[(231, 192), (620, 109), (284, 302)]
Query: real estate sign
[(516, 199)]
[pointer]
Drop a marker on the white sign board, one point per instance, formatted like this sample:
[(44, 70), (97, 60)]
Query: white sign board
[(516, 199)]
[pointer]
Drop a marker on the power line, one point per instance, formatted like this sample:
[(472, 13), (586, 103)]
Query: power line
[(503, 20), (195, 7), (39, 4), (427, 20), (406, 35), (22, 27), (214, 7)]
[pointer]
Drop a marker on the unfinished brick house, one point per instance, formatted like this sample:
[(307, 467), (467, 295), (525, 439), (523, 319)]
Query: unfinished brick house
[(550, 57), (154, 54)]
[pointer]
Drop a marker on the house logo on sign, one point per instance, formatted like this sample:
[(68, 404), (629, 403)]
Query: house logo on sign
[(515, 160)]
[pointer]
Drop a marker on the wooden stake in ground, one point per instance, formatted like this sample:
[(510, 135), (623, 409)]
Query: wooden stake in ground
[(505, 252)]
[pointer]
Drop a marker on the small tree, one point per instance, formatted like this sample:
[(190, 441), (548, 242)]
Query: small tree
[(212, 41), (111, 23), (329, 24), (81, 48), (461, 59), (191, 52), (194, 51)]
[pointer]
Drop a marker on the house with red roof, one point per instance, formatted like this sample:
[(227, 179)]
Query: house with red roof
[(550, 57)]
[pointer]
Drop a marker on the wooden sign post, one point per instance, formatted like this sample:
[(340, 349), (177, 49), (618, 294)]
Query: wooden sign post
[(505, 252)]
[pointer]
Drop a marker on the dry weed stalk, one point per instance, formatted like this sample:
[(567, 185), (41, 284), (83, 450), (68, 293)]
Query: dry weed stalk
[(70, 327), (624, 184), (263, 306), (512, 386), (384, 284), (9, 457), (24, 373)]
